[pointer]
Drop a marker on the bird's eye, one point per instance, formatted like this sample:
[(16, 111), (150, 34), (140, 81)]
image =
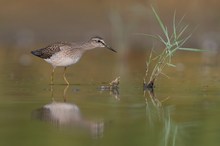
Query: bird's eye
[(99, 41)]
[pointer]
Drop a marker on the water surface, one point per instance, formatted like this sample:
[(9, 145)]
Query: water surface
[(184, 112)]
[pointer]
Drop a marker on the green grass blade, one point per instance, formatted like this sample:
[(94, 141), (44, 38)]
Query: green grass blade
[(192, 49), (149, 35), (170, 64), (167, 36), (150, 56), (158, 19), (182, 31), (178, 24), (174, 25), (172, 52), (184, 40), (164, 75), (162, 40)]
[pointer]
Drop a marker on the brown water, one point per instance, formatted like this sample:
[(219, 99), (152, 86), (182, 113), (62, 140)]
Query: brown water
[(185, 111)]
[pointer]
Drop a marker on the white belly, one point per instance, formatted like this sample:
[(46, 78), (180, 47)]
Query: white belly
[(59, 60)]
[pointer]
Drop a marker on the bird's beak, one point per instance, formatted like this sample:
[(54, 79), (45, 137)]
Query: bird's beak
[(111, 49), (108, 47)]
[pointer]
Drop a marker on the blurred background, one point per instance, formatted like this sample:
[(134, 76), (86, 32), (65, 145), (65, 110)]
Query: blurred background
[(190, 103), (26, 24)]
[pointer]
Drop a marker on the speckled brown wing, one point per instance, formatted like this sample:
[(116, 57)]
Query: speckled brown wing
[(48, 51)]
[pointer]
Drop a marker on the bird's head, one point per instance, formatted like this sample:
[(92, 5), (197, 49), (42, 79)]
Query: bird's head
[(98, 42)]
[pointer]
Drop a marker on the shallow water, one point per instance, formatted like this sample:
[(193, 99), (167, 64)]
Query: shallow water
[(185, 111)]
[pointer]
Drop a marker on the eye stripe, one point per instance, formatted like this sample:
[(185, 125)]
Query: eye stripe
[(99, 40)]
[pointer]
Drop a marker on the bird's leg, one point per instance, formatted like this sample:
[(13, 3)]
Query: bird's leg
[(51, 77), (64, 92), (64, 76), (51, 90)]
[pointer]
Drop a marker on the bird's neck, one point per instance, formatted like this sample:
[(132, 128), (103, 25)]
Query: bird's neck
[(88, 46)]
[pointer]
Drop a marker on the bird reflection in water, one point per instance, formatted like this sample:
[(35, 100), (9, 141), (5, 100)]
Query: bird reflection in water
[(64, 114)]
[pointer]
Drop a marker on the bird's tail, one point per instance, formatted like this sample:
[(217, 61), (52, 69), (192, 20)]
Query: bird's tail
[(36, 53)]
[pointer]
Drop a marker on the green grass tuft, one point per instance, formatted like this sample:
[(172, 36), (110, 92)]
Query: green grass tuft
[(172, 41)]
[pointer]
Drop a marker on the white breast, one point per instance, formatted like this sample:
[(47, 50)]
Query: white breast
[(60, 59)]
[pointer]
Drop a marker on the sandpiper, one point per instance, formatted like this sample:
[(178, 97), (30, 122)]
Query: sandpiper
[(65, 54)]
